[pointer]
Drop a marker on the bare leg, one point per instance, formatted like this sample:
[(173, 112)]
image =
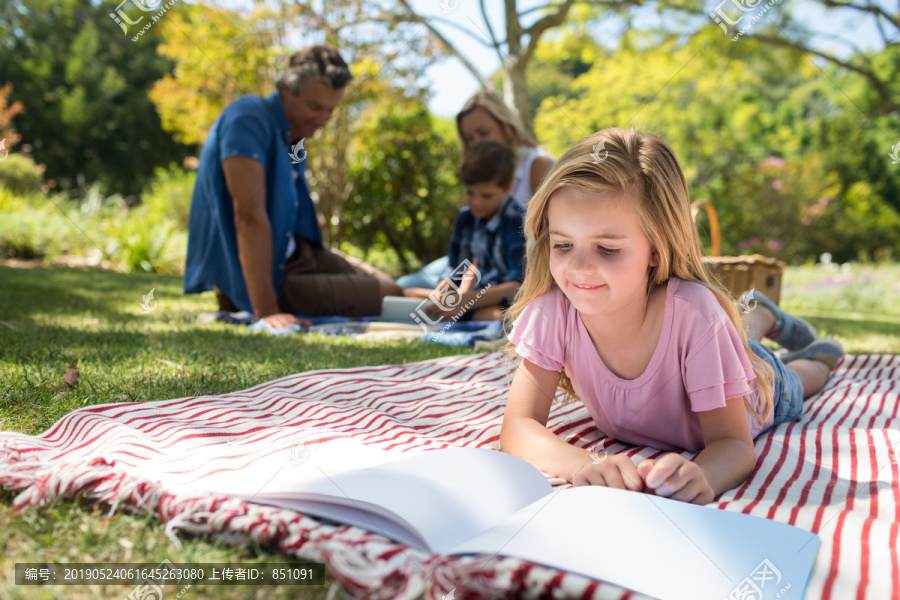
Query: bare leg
[(758, 322), (488, 313), (415, 292), (812, 373)]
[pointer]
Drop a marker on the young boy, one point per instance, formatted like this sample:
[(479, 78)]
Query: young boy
[(487, 248)]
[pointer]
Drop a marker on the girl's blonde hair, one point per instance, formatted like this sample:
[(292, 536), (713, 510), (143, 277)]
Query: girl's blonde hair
[(615, 161), (516, 135)]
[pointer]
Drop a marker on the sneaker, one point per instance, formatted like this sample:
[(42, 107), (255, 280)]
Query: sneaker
[(825, 350), (791, 333)]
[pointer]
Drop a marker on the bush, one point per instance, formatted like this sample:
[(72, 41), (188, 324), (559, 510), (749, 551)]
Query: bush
[(35, 226), (169, 195), (794, 210), (405, 193), (385, 259), (20, 174), (47, 227)]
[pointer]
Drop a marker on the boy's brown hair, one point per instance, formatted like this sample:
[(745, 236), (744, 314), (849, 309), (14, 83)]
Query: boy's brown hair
[(488, 162)]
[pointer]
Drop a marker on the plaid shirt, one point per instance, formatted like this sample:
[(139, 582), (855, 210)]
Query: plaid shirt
[(498, 244)]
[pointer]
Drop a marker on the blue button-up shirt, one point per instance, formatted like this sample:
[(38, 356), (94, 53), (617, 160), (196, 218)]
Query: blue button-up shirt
[(498, 243), (255, 128)]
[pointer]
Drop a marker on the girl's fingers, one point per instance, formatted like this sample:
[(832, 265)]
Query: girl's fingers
[(631, 477), (589, 477), (664, 468), (621, 475), (644, 467), (675, 477), (696, 491), (613, 479)]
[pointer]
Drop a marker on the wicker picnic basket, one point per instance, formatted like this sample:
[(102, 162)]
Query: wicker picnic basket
[(739, 273)]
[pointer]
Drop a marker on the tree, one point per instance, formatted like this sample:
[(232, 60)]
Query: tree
[(7, 111), (516, 44), (404, 189), (515, 50), (783, 154), (877, 69), (401, 25), (84, 88), (219, 55), (18, 172), (242, 53)]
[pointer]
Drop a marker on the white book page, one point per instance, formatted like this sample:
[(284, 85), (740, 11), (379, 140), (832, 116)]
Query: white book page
[(437, 499), (659, 547), (448, 495), (360, 517), (229, 470)]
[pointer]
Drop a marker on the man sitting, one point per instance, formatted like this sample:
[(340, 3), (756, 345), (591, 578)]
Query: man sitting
[(253, 234)]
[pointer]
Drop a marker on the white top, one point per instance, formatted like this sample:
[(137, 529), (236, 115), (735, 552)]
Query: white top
[(522, 191)]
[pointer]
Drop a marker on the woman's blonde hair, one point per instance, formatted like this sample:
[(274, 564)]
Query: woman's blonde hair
[(516, 135), (616, 161)]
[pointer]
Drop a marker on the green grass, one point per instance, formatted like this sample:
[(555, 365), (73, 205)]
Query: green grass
[(860, 307), (52, 316)]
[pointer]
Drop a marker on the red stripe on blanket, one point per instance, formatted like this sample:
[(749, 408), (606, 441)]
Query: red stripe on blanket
[(806, 472)]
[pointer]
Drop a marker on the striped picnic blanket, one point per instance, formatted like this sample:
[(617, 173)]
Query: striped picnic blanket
[(835, 473)]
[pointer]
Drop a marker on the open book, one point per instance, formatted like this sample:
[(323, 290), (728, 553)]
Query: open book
[(486, 502)]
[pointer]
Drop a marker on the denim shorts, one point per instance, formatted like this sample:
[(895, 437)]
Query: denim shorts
[(788, 392)]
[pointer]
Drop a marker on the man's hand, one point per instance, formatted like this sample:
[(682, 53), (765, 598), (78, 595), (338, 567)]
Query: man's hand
[(282, 320), (674, 476), (615, 471)]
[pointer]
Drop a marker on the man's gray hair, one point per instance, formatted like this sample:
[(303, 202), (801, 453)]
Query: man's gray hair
[(319, 61)]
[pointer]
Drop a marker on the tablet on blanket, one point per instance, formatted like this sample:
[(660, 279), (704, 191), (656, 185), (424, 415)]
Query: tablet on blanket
[(412, 311)]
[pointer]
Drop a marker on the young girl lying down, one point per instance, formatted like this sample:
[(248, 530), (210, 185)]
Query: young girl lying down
[(617, 309)]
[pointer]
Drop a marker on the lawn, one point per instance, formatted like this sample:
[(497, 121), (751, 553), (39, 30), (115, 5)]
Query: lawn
[(51, 317)]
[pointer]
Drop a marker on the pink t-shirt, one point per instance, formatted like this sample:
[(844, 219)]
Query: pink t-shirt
[(698, 363)]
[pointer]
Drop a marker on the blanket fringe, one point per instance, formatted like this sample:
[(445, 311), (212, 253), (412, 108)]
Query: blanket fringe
[(404, 575), (362, 564)]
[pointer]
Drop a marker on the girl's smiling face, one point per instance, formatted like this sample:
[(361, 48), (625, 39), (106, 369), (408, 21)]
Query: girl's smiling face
[(599, 253)]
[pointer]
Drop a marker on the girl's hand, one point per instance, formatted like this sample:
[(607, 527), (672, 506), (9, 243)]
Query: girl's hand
[(674, 476), (615, 471)]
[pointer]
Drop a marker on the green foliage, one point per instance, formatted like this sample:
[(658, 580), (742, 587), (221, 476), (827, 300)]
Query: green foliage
[(137, 241), (104, 231), (33, 227), (84, 88), (53, 316), (854, 289), (20, 174), (385, 259), (226, 56), (725, 108), (405, 193), (168, 196), (789, 206), (558, 60)]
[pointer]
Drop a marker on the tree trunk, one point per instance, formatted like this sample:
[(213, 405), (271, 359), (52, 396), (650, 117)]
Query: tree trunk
[(515, 92)]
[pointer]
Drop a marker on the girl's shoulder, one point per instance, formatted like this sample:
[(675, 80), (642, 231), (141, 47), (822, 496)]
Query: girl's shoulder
[(692, 298), (542, 332), (552, 301), (547, 312)]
